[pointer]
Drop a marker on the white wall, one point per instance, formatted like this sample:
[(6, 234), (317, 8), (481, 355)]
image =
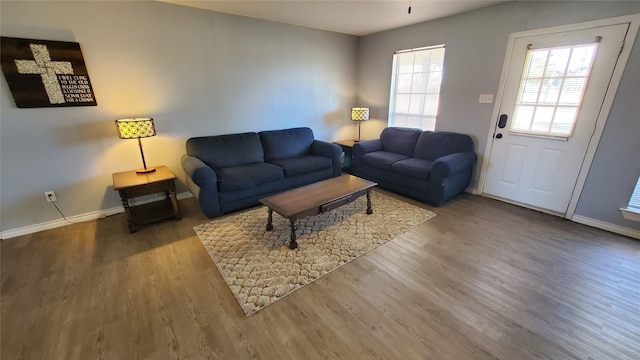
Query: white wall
[(475, 48), (195, 72)]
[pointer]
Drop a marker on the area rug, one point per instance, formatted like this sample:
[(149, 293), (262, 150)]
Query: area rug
[(260, 268)]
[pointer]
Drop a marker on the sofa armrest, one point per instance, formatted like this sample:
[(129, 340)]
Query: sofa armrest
[(450, 175), (329, 150), (367, 146), (201, 174), (203, 184), (453, 163), (360, 149)]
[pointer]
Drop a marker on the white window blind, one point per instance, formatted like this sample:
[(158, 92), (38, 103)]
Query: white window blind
[(634, 202), (551, 89), (632, 211), (415, 87)]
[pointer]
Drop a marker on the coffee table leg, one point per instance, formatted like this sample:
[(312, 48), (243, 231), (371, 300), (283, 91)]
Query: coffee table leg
[(270, 220), (369, 209), (293, 244)]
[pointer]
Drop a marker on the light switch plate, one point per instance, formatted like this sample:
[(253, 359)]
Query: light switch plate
[(485, 98)]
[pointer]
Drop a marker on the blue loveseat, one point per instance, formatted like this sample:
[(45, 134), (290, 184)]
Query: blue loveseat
[(425, 165), (230, 172)]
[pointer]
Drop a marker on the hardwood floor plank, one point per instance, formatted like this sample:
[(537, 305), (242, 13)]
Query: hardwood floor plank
[(481, 280)]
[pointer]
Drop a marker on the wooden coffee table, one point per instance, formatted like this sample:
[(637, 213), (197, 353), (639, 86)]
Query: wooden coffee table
[(315, 199)]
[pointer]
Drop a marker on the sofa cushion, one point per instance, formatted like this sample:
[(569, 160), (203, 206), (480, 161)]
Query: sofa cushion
[(400, 140), (382, 159), (303, 164), (222, 151), (246, 176), (288, 143), (432, 145), (416, 168)]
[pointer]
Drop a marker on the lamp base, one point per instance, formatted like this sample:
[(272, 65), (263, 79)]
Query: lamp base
[(145, 171)]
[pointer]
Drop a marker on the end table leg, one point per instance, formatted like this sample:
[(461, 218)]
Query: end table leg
[(270, 220), (174, 203), (293, 244), (369, 209), (127, 210)]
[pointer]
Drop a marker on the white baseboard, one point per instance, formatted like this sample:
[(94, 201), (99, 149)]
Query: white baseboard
[(8, 234), (617, 229), (90, 216)]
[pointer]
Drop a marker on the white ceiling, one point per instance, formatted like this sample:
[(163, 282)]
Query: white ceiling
[(355, 17)]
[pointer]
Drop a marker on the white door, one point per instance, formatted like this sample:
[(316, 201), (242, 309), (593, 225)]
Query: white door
[(553, 93)]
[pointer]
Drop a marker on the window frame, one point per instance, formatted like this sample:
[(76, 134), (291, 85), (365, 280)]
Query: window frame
[(419, 117), (532, 74), (632, 211)]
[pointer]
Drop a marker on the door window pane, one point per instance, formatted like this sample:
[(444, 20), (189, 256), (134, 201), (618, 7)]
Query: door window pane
[(551, 89), (580, 61), (557, 62), (542, 119), (523, 117), (530, 91), (572, 90)]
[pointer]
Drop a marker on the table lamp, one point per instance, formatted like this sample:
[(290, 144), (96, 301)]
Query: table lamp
[(359, 115), (137, 128)]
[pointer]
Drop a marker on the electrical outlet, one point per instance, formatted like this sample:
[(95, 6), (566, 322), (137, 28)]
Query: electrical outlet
[(50, 196)]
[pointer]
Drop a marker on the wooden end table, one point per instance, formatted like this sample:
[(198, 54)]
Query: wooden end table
[(315, 199), (131, 185), (347, 149)]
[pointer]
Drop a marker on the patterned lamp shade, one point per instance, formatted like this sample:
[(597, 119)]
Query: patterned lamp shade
[(135, 128), (359, 114)]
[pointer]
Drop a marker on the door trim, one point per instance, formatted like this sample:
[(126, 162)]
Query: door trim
[(634, 24)]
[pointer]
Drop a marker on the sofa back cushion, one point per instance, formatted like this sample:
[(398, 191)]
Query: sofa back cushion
[(282, 144), (434, 144), (223, 151), (400, 140)]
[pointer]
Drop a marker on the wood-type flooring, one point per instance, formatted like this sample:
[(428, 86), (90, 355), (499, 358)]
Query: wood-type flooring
[(481, 280)]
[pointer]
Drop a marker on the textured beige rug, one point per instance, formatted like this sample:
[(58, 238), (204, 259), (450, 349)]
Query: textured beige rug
[(260, 268)]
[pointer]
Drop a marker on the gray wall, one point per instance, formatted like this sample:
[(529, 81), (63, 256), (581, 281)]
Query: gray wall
[(616, 165), (201, 73), (475, 48), (195, 72)]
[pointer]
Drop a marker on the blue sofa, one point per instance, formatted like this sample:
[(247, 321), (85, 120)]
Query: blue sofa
[(231, 172), (428, 166)]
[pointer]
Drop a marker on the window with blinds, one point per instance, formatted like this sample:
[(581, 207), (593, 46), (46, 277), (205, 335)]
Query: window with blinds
[(415, 87), (635, 197), (632, 212), (551, 90)]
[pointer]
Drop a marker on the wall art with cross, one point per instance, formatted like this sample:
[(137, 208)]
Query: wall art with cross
[(44, 73)]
